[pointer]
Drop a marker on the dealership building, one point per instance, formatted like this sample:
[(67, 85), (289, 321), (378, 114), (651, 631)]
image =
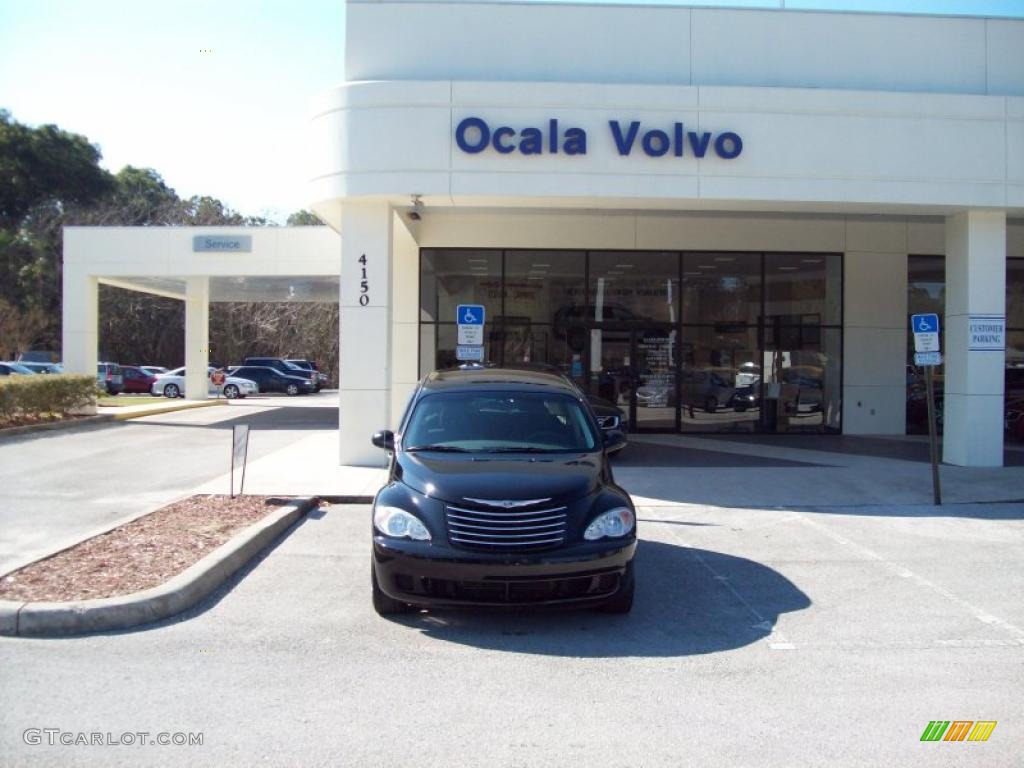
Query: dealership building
[(720, 219)]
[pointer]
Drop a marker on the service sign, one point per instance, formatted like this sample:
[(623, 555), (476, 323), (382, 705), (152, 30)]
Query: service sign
[(222, 244), (986, 333)]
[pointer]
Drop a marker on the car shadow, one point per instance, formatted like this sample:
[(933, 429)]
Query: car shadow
[(688, 602)]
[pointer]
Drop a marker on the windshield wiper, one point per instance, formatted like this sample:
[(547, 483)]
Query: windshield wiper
[(525, 449), (438, 448)]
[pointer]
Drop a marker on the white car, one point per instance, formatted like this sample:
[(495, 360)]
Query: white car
[(172, 384)]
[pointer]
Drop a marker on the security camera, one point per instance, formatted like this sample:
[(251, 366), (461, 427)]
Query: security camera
[(417, 207)]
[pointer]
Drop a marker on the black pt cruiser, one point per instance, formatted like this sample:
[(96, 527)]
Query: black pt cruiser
[(500, 493)]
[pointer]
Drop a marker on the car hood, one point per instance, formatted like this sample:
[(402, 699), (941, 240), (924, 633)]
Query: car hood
[(455, 477)]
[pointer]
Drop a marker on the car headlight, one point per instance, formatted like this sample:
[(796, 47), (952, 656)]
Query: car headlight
[(611, 524), (399, 524)]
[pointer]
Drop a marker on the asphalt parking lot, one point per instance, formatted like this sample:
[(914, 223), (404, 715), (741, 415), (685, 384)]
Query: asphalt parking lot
[(767, 637)]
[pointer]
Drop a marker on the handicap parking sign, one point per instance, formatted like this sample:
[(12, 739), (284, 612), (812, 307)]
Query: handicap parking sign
[(926, 323), (925, 328), (469, 314)]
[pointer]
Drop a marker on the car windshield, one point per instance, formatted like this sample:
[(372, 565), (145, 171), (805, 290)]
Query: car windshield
[(292, 366), (499, 422)]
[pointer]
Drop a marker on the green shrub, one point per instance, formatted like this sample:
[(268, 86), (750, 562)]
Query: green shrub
[(43, 394)]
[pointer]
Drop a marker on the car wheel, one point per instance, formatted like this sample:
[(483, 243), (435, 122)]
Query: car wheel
[(172, 391), (231, 392), (382, 604), (711, 405), (622, 600), (292, 389)]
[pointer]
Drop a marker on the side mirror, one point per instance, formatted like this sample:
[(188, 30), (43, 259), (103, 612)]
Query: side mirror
[(613, 440), (384, 439)]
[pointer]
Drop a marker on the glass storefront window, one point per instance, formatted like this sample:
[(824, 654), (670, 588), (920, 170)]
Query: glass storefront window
[(721, 379), (803, 288), (633, 287), (692, 342), (1015, 294), (543, 285), (802, 380), (721, 287), (452, 277)]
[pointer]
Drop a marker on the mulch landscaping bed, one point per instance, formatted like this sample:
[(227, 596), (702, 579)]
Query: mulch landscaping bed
[(138, 555)]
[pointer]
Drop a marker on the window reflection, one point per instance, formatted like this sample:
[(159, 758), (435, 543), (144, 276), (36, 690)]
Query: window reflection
[(803, 288), (721, 286), (630, 287), (542, 284), (450, 278), (721, 379)]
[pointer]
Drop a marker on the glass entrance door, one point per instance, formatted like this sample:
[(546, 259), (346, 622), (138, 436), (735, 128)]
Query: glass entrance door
[(637, 371)]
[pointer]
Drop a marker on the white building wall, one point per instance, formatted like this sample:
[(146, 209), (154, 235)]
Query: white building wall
[(681, 46), (803, 150)]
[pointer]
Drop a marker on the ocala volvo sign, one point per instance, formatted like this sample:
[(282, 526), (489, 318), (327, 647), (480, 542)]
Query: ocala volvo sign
[(474, 135)]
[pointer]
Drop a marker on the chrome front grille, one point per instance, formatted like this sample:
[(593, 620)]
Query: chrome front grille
[(506, 530)]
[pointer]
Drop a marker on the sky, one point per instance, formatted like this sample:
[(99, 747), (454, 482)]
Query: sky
[(214, 94)]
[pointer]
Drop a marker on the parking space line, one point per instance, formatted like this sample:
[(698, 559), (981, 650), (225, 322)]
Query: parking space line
[(903, 572)]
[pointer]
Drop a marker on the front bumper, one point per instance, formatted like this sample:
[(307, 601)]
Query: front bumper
[(433, 574)]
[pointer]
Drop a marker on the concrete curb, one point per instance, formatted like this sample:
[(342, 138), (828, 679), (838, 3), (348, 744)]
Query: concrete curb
[(155, 410), (26, 619), (49, 426)]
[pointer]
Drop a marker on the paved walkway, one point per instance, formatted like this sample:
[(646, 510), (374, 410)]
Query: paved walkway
[(674, 469)]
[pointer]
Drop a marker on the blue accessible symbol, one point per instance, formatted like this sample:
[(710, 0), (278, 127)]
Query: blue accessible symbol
[(469, 314)]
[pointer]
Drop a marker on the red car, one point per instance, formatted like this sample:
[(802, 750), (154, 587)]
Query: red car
[(136, 379)]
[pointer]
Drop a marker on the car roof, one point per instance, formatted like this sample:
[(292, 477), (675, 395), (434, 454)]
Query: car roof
[(496, 378)]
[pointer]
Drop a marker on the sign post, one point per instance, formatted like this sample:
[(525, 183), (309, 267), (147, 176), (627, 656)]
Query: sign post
[(239, 454), (470, 320), (927, 353)]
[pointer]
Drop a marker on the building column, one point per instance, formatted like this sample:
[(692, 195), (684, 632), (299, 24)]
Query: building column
[(197, 337), (364, 316), (80, 322), (405, 315), (975, 286)]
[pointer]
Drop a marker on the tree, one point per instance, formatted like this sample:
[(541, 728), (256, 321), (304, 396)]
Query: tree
[(304, 218), (46, 166)]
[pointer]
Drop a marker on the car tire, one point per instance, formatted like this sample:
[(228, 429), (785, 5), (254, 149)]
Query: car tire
[(231, 392), (622, 601), (382, 604), (711, 405), (292, 389), (172, 391)]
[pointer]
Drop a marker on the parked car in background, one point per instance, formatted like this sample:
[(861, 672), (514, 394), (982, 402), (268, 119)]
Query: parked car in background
[(136, 380), (39, 356), (15, 369), (272, 380), (309, 365), (153, 370), (110, 378), (708, 388), (288, 369), (172, 384), (43, 367)]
